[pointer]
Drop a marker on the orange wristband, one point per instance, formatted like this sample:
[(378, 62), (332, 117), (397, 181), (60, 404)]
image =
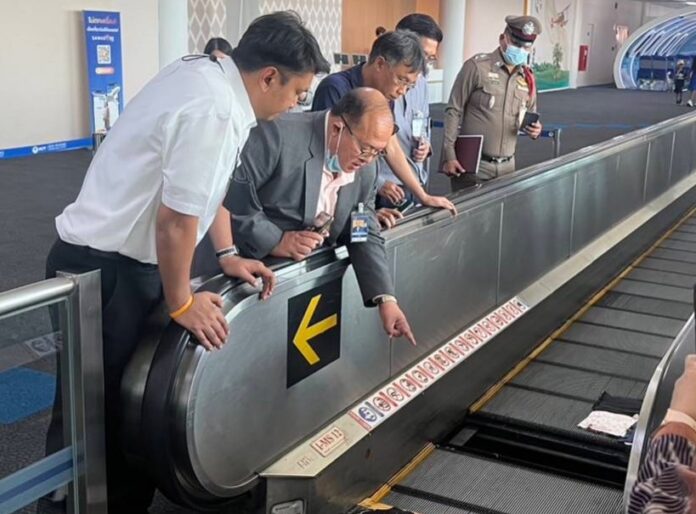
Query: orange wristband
[(181, 310)]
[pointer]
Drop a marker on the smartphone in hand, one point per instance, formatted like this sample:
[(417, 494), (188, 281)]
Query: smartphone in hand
[(322, 223), (529, 119)]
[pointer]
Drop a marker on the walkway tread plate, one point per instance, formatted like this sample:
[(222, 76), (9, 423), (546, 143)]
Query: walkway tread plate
[(631, 321), (679, 245), (674, 255), (544, 409), (508, 488), (664, 278), (581, 384), (675, 294), (686, 228), (653, 263), (643, 305), (617, 339), (406, 502), (611, 362), (679, 235)]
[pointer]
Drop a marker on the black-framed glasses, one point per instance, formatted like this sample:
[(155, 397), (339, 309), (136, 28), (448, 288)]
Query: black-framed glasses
[(365, 149)]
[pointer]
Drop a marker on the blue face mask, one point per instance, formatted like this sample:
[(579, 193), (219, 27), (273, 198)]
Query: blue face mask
[(516, 56), (331, 162)]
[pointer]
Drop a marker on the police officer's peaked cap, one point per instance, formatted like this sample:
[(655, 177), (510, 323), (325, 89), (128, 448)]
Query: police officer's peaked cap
[(523, 29)]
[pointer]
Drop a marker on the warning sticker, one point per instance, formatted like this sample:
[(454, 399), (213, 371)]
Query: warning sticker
[(386, 401)]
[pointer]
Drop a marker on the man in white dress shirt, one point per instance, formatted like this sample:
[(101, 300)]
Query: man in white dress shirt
[(154, 189)]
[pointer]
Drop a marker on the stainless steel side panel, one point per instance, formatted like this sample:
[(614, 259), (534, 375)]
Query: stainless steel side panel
[(598, 206), (536, 232), (683, 157), (239, 411), (465, 255), (232, 412), (659, 166)]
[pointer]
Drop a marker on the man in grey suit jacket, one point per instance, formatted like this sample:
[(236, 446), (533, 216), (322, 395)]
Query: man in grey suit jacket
[(306, 164)]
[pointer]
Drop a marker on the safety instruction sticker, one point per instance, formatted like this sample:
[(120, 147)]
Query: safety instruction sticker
[(382, 404)]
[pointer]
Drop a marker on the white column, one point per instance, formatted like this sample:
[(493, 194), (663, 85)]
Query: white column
[(453, 21), (173, 30), (240, 13)]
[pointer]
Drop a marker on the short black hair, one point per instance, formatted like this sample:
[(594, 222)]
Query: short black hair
[(352, 106), (279, 39), (399, 47), (421, 24), (218, 43)]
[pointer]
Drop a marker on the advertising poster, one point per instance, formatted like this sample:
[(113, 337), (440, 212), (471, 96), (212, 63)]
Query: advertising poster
[(104, 71), (552, 52)]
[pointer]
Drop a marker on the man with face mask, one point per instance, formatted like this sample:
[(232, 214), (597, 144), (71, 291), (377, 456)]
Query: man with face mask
[(490, 97), (309, 179), (395, 62)]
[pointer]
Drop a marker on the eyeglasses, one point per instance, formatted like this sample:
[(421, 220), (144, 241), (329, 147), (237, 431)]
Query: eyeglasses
[(404, 83), (365, 149)]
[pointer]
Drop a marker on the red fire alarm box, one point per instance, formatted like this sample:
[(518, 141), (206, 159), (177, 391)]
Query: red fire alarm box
[(582, 61)]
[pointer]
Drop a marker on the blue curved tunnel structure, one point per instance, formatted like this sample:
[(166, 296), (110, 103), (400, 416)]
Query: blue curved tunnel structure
[(647, 58)]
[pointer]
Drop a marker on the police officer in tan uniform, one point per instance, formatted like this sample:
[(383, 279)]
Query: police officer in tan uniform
[(490, 97)]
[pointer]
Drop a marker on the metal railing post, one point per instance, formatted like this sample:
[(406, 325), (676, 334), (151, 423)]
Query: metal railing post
[(557, 142), (82, 353)]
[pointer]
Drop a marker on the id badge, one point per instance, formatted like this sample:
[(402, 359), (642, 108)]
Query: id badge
[(419, 126), (359, 228)]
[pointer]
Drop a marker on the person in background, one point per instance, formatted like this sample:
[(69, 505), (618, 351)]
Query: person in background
[(490, 97), (395, 62), (379, 31), (154, 188), (218, 47), (412, 116), (679, 78), (308, 180), (692, 84), (666, 482)]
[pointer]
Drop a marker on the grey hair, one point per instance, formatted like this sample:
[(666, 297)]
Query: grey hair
[(399, 47)]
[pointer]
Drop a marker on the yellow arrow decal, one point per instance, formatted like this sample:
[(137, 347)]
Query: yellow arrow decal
[(306, 332)]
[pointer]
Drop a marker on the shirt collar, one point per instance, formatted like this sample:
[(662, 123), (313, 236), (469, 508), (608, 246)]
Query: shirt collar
[(240, 92), (357, 75)]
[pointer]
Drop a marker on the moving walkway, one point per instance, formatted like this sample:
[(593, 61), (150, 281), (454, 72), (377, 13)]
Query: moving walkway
[(519, 449), (287, 420)]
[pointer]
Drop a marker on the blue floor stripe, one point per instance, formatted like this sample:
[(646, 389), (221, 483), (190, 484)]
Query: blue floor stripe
[(36, 480)]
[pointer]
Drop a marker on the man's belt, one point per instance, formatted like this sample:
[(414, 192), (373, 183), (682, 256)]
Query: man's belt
[(496, 160)]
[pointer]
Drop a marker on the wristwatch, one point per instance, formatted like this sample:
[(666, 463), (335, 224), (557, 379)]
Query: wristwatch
[(227, 252), (675, 416), (384, 298)]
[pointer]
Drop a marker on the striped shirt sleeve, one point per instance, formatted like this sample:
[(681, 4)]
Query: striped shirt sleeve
[(659, 489)]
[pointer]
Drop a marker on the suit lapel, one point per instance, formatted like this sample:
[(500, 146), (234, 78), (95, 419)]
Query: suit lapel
[(313, 169)]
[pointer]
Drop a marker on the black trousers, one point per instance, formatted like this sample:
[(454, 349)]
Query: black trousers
[(130, 290)]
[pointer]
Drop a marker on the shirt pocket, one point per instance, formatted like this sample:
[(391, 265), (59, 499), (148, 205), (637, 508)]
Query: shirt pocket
[(520, 100), (489, 98)]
